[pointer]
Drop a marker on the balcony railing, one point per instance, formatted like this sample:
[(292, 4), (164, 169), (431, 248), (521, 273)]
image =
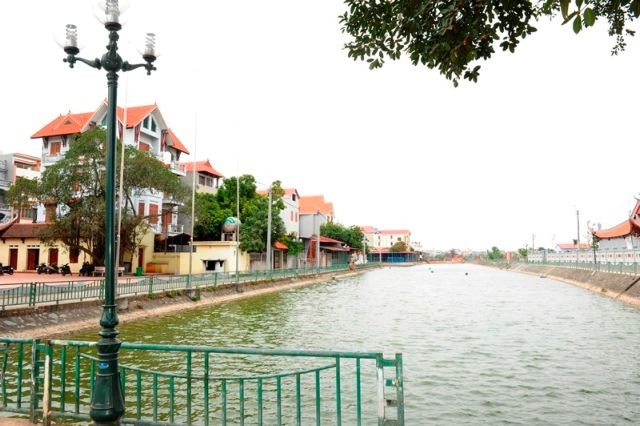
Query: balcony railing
[(5, 184), (3, 164), (50, 158), (175, 228), (178, 168)]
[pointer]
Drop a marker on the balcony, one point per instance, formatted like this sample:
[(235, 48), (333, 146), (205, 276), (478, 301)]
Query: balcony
[(3, 164), (175, 228), (177, 168), (27, 173), (5, 184), (51, 158)]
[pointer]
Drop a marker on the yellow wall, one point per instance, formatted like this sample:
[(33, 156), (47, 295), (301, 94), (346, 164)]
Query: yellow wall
[(43, 249), (178, 263)]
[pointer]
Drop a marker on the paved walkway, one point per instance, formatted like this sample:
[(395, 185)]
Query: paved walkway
[(7, 280)]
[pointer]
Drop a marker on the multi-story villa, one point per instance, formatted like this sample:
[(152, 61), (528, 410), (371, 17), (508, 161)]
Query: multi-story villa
[(290, 215), (381, 239), (13, 166), (143, 127)]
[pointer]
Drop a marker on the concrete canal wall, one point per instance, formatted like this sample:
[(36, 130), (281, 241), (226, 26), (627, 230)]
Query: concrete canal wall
[(625, 288), (60, 320)]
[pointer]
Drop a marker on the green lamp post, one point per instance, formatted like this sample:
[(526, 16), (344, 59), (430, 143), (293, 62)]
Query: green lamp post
[(107, 403)]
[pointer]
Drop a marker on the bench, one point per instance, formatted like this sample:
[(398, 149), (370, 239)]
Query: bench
[(100, 270)]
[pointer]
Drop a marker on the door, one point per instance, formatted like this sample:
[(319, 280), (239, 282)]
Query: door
[(13, 258), (53, 256), (33, 258), (140, 257)]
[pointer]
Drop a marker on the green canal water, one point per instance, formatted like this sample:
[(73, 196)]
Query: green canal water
[(480, 346)]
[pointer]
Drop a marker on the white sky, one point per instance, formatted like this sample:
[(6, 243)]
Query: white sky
[(545, 131)]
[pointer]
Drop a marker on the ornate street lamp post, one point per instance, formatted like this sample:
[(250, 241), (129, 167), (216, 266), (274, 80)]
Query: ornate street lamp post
[(107, 404)]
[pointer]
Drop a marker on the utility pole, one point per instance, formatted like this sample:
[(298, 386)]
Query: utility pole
[(533, 242), (269, 261)]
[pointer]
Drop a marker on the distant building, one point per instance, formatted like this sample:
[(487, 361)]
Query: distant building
[(623, 236), (291, 214), (208, 179), (13, 166)]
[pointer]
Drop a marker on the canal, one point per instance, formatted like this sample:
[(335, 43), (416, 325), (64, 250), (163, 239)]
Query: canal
[(480, 346)]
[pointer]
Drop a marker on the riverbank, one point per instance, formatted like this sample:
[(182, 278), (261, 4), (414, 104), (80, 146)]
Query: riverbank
[(625, 288), (62, 320)]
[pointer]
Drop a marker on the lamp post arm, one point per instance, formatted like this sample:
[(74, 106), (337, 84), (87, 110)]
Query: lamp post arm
[(72, 59), (126, 66)]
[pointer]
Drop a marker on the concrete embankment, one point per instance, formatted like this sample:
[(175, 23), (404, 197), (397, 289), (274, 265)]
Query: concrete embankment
[(61, 320), (625, 288)]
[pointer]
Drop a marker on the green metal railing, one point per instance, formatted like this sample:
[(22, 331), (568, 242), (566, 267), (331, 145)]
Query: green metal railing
[(38, 294), (172, 385)]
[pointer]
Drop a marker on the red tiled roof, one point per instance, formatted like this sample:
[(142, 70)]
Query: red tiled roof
[(280, 246), (202, 167), (327, 240), (314, 203), (24, 230), (368, 229), (621, 230), (571, 246), (394, 231), (135, 114), (64, 125), (176, 142)]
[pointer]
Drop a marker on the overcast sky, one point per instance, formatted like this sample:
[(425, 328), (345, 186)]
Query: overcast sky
[(265, 88)]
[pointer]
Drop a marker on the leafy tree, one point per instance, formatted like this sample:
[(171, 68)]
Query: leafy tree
[(22, 194), (253, 230), (293, 243), (523, 252), (495, 254), (453, 35), (76, 184), (399, 247), (211, 211), (209, 218), (352, 235)]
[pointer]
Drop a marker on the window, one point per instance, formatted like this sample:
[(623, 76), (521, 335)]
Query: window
[(50, 213), (54, 149), (153, 125), (291, 216), (103, 123), (145, 122), (140, 209), (74, 253), (144, 147), (153, 213), (201, 180), (293, 197)]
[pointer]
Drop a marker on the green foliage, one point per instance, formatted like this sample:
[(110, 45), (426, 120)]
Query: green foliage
[(294, 245), (523, 252), (495, 254), (76, 183), (23, 193), (453, 36), (209, 218), (352, 235), (254, 211), (399, 247)]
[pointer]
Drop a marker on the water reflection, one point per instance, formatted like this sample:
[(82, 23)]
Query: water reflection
[(480, 346)]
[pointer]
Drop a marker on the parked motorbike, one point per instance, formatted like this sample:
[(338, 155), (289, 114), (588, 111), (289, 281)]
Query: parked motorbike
[(6, 269), (53, 268), (41, 268), (87, 269), (65, 269)]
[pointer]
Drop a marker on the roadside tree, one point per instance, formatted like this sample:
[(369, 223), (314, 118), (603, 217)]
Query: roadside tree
[(73, 191), (453, 36)]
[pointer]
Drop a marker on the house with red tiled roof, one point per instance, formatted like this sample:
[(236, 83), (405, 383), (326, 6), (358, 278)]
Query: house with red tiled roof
[(316, 204), (382, 239), (290, 215), (22, 248), (207, 179), (623, 236), (141, 126)]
